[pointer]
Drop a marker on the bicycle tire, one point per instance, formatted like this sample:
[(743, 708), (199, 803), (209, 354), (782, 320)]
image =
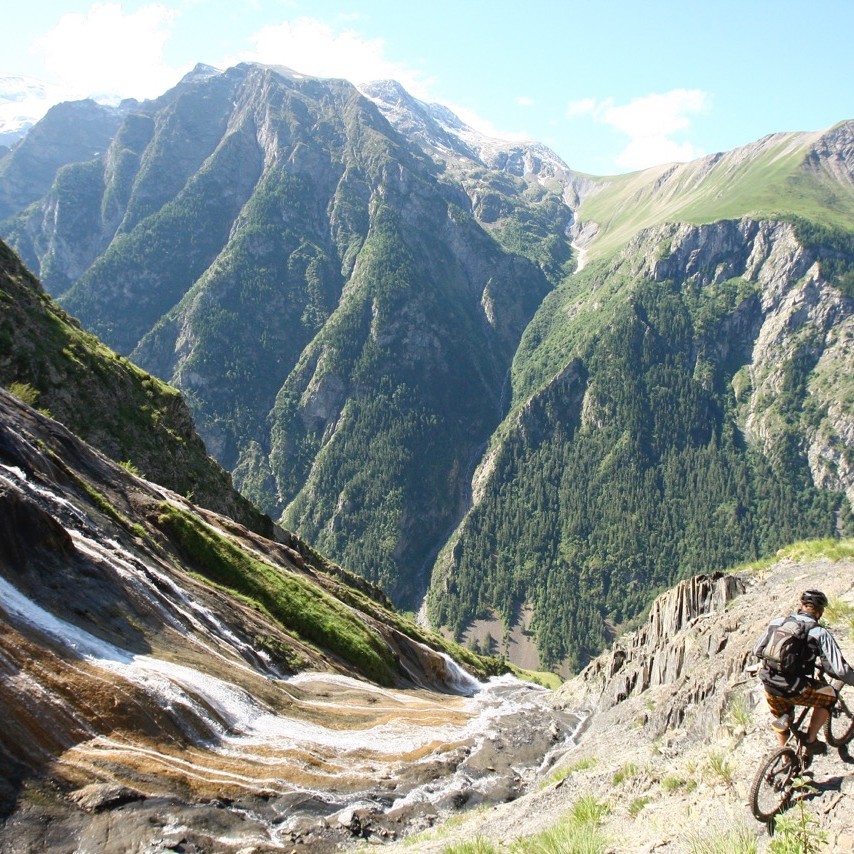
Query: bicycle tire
[(772, 786), (839, 727)]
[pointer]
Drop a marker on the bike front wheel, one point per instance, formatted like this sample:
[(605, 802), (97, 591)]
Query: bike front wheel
[(772, 786), (839, 728)]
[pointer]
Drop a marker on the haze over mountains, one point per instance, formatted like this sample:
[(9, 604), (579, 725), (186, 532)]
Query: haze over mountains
[(377, 319)]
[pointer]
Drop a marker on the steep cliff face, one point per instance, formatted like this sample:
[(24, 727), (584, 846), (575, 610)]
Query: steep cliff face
[(682, 647), (69, 133), (697, 350), (797, 330)]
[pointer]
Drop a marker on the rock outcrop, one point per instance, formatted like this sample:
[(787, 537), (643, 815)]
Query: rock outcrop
[(674, 645), (676, 724)]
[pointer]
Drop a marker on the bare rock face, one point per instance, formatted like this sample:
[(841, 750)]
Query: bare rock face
[(795, 321), (673, 643), (834, 153)]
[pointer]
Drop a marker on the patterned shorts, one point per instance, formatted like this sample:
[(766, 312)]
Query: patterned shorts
[(812, 695)]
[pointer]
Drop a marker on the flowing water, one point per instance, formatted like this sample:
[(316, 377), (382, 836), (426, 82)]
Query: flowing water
[(200, 716)]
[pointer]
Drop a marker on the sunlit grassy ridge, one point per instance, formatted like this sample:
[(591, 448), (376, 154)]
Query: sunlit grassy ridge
[(769, 179), (805, 550)]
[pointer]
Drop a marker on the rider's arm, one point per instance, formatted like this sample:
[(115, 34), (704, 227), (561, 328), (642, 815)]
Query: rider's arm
[(832, 660)]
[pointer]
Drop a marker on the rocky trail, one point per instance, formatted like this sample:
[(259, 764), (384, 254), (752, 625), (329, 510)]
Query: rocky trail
[(678, 728)]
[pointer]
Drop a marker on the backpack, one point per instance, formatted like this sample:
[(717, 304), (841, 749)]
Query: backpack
[(787, 650)]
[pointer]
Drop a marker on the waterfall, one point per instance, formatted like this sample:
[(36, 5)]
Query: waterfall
[(459, 680)]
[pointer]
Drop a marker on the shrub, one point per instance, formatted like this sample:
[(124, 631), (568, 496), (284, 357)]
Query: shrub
[(579, 833), (637, 805), (478, 845), (796, 832), (128, 466), (582, 764), (738, 713), (24, 392), (587, 810)]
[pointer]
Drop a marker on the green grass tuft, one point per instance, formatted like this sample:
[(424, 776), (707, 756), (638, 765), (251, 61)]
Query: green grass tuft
[(296, 604), (739, 840)]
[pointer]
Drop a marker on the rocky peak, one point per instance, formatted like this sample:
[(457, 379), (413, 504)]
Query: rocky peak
[(436, 130), (833, 153), (442, 132)]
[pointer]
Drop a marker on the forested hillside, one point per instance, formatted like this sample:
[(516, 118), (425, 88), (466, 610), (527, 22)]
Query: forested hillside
[(631, 469), (376, 318), (337, 320)]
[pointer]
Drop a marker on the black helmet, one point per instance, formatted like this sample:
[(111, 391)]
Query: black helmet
[(815, 598)]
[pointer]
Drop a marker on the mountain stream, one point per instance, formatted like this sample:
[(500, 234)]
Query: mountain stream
[(192, 724)]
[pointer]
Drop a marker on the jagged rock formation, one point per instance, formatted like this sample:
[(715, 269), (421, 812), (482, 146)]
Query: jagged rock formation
[(671, 647), (676, 725)]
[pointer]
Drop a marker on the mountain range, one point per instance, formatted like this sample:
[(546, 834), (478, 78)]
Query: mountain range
[(519, 399)]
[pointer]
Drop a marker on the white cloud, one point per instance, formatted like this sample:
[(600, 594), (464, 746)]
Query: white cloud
[(656, 114), (107, 51), (650, 122), (582, 107), (522, 101), (310, 46), (484, 126), (313, 47)]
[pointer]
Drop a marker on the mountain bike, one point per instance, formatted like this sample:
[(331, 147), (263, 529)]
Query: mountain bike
[(775, 781)]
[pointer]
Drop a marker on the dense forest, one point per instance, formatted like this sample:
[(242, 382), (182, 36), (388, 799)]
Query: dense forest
[(630, 477)]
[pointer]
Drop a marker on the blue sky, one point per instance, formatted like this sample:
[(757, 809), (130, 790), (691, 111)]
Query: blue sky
[(610, 85)]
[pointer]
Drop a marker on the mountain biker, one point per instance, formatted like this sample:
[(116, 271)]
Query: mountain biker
[(784, 692)]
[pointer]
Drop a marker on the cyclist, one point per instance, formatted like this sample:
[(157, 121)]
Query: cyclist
[(784, 692)]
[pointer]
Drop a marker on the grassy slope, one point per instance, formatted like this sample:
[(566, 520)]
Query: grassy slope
[(766, 179), (123, 411)]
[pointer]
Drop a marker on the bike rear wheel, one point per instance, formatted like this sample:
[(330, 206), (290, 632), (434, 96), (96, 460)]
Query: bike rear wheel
[(772, 786), (839, 729)]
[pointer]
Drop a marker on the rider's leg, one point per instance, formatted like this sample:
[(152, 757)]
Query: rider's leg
[(819, 715), (782, 709), (821, 698)]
